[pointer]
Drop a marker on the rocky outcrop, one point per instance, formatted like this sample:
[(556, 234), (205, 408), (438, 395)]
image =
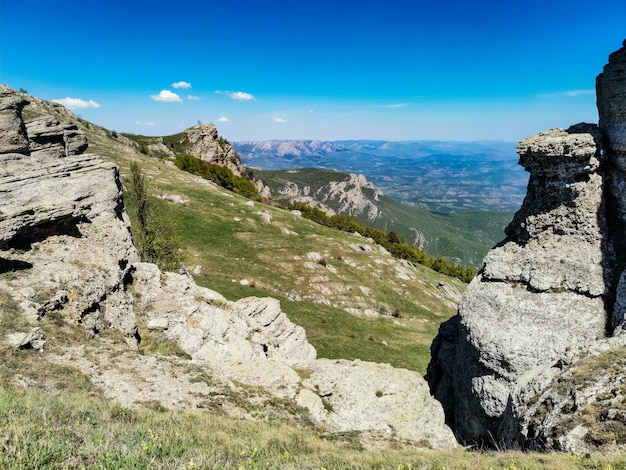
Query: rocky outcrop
[(13, 138), (205, 325), (66, 256), (63, 233), (352, 195), (49, 138), (611, 99), (204, 143), (539, 296), (548, 293), (252, 341)]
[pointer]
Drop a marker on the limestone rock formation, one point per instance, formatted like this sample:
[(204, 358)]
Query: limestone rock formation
[(62, 226), (13, 137), (353, 195), (205, 325), (611, 99), (66, 255), (549, 292), (48, 137), (205, 144)]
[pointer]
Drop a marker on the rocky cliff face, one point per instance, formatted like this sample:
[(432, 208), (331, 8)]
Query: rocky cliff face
[(205, 143), (354, 196), (549, 292), (66, 257)]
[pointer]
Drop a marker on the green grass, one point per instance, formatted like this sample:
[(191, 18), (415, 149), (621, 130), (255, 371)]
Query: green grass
[(82, 430), (53, 417), (226, 237), (463, 237)]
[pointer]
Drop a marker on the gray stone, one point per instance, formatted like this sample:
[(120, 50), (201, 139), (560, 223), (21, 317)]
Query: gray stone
[(207, 326), (33, 339), (611, 99), (49, 138), (13, 138), (374, 398), (539, 297)]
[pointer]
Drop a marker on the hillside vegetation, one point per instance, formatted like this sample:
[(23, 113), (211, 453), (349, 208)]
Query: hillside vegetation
[(464, 237), (354, 299)]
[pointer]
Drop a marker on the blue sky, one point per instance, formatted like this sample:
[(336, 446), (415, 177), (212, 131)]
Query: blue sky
[(278, 69)]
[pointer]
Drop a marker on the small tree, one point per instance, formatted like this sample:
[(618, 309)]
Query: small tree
[(154, 236)]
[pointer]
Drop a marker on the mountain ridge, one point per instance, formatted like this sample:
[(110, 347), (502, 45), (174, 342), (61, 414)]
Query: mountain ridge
[(438, 175)]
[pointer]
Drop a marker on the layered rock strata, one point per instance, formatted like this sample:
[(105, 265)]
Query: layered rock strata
[(611, 100), (64, 237)]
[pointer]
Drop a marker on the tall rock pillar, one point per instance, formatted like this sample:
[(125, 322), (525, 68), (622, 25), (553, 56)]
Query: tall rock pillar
[(611, 100), (538, 299)]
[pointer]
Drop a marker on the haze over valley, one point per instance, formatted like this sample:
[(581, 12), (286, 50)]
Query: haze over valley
[(444, 177)]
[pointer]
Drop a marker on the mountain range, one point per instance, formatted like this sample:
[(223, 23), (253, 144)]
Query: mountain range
[(444, 177)]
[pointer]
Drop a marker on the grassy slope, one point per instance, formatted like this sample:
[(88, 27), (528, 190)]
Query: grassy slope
[(61, 421), (464, 237)]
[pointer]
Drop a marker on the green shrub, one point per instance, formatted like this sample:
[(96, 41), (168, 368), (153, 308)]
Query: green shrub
[(219, 174), (390, 240), (154, 234)]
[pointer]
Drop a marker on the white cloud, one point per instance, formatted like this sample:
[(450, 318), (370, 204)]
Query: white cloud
[(193, 97), (142, 123), (397, 105), (77, 103), (279, 120), (166, 96), (184, 85), (569, 94), (240, 95), (223, 119)]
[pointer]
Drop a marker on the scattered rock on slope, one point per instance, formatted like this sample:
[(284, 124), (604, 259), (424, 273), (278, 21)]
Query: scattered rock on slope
[(65, 243)]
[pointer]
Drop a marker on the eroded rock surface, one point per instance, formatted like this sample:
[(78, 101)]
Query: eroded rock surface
[(365, 396), (550, 293), (206, 325), (539, 295), (63, 233), (66, 255)]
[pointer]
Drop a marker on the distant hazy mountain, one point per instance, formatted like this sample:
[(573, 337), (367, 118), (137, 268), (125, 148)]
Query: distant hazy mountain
[(440, 176)]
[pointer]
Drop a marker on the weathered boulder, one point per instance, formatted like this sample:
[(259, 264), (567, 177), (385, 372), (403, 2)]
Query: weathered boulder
[(207, 326), (539, 297), (13, 138), (374, 398), (33, 339)]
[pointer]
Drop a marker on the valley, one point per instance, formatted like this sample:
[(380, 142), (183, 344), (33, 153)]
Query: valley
[(441, 177)]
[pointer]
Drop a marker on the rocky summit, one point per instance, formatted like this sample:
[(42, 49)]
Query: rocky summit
[(551, 293), (66, 256)]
